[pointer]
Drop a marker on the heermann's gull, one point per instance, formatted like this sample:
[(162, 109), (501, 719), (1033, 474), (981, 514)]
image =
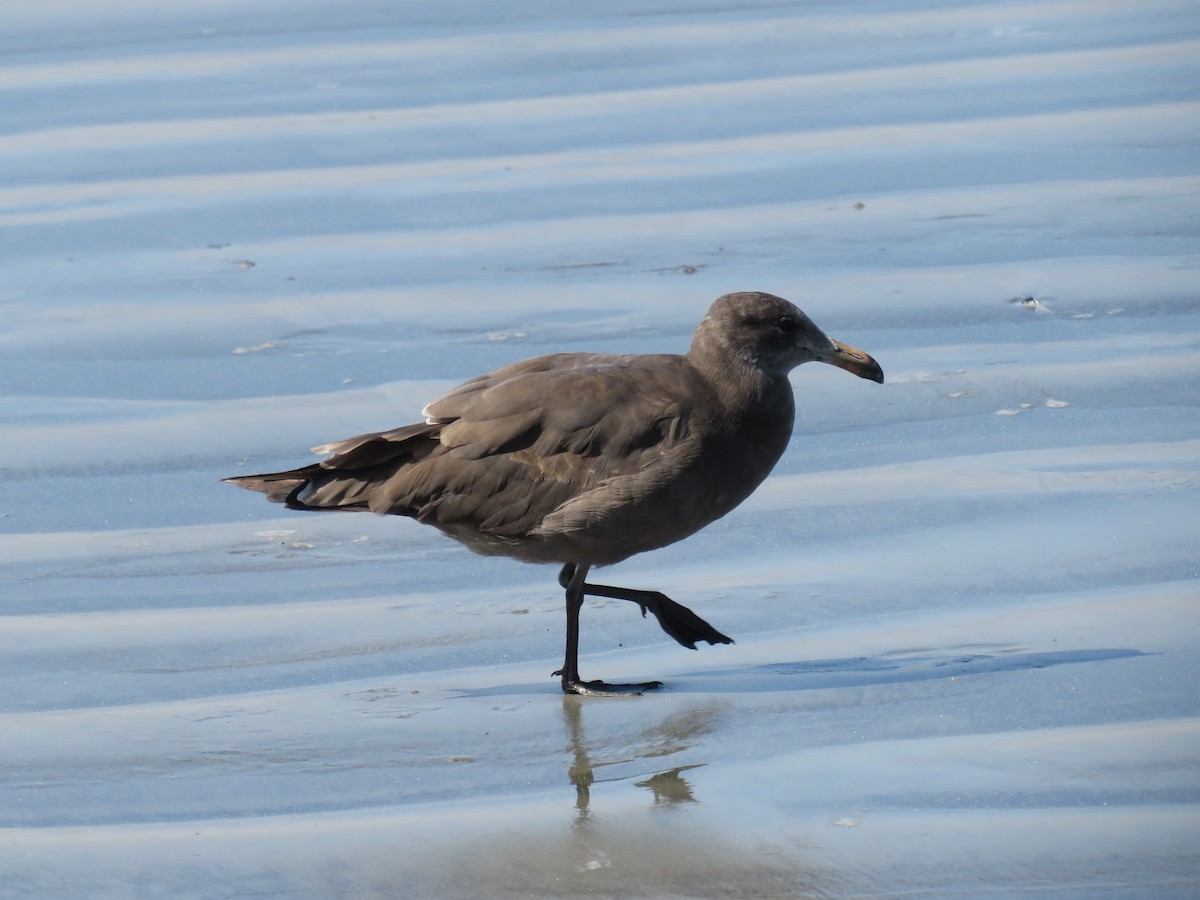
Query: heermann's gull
[(585, 459)]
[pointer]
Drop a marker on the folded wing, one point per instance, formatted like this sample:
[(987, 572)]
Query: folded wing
[(494, 458)]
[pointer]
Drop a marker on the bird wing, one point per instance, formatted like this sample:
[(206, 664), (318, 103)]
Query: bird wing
[(507, 453), (519, 444)]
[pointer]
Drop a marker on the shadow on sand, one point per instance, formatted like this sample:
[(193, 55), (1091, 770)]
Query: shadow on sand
[(889, 668), (923, 664)]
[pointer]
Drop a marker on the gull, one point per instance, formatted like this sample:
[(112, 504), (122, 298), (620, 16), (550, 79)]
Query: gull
[(586, 459)]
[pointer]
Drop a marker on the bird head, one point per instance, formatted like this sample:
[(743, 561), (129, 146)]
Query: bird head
[(774, 336)]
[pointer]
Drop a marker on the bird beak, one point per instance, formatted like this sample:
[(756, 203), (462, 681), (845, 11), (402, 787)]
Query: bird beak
[(852, 360)]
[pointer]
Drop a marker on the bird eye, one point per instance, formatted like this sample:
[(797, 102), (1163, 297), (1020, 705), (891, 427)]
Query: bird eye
[(787, 325)]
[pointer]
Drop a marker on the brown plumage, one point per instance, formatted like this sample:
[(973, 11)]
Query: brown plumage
[(586, 459)]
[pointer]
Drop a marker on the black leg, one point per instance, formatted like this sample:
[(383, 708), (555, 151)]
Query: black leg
[(570, 669), (674, 618), (572, 578)]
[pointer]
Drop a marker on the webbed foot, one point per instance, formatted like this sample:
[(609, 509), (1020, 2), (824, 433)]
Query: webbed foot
[(604, 689)]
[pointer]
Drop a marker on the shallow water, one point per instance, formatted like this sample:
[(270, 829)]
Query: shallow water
[(964, 604)]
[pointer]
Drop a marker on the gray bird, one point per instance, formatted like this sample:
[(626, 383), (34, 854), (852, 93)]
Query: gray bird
[(585, 459)]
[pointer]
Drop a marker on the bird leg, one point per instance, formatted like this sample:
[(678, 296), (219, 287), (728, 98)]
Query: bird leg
[(675, 619), (573, 579)]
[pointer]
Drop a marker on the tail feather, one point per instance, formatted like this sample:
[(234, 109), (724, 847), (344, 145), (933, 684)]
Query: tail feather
[(344, 480), (278, 486)]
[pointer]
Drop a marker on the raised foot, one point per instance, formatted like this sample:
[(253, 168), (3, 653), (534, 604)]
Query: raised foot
[(680, 622), (604, 689)]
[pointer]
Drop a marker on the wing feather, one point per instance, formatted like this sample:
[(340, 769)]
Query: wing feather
[(534, 449)]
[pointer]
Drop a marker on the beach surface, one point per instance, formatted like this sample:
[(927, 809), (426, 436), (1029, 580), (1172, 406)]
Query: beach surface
[(966, 603)]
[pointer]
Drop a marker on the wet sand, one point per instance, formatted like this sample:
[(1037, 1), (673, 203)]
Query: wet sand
[(964, 603)]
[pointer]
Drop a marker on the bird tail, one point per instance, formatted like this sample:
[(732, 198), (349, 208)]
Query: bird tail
[(343, 480), (281, 487)]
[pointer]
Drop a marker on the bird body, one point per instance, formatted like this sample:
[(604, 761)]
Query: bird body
[(587, 459)]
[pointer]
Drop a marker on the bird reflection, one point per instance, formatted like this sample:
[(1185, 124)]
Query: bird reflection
[(580, 771), (672, 735), (623, 846), (670, 787)]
